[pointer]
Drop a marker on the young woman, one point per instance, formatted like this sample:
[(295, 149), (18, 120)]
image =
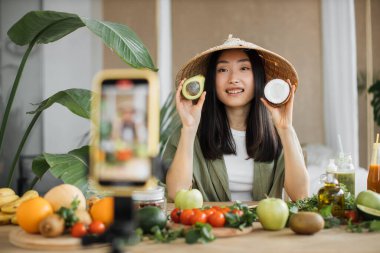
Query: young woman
[(232, 144)]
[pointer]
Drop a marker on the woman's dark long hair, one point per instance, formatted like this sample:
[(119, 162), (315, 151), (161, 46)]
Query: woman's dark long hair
[(262, 141)]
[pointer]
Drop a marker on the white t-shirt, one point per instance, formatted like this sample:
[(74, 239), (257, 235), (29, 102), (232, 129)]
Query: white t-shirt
[(239, 169)]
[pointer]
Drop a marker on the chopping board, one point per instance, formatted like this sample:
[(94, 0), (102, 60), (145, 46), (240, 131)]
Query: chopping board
[(217, 232), (22, 239)]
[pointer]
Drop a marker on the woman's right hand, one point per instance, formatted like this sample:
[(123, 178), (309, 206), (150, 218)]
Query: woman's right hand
[(190, 114)]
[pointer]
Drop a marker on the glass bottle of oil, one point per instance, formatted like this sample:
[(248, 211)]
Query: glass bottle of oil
[(331, 194)]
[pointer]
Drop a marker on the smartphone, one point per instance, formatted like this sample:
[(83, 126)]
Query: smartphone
[(125, 130)]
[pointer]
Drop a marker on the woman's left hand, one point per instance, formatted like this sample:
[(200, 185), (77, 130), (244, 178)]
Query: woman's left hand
[(282, 116)]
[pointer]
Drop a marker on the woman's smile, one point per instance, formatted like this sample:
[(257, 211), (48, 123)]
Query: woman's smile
[(234, 91)]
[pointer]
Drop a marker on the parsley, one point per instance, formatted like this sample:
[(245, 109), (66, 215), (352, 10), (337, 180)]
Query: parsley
[(370, 226), (234, 220), (164, 235), (197, 233), (68, 214)]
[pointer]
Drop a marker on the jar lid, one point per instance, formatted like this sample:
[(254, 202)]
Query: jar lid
[(149, 194)]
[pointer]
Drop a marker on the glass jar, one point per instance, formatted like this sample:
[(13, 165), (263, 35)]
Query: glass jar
[(346, 173), (150, 197), (373, 179)]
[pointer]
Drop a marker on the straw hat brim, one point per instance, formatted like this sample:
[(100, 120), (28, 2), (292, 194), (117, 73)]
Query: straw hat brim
[(275, 65)]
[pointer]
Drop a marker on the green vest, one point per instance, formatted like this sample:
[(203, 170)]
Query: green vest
[(211, 179)]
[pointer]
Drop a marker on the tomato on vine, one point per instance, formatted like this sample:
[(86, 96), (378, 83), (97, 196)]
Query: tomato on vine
[(217, 219), (209, 211), (198, 217), (78, 230), (175, 215), (238, 212), (97, 228), (186, 216)]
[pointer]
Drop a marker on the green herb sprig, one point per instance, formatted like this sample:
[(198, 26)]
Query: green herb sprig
[(166, 235), (234, 220), (68, 214), (199, 233), (370, 226)]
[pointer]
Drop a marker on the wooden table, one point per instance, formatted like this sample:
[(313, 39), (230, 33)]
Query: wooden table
[(328, 240)]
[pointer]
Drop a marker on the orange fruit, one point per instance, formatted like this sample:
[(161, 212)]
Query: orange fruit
[(102, 210), (31, 212)]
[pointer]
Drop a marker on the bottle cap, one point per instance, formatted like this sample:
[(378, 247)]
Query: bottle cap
[(149, 194), (331, 167)]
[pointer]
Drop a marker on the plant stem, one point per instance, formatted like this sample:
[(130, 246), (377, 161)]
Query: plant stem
[(34, 182), (13, 91), (20, 147)]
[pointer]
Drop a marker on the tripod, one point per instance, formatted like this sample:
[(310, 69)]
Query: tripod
[(121, 231)]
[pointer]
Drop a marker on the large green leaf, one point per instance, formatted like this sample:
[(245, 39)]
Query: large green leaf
[(72, 167), (375, 102), (77, 101), (45, 26), (40, 166), (121, 37), (48, 26)]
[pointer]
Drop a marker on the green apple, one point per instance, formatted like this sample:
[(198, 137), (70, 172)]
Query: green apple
[(188, 199), (179, 197), (273, 213), (369, 199)]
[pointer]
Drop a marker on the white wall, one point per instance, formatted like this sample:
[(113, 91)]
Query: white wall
[(69, 63)]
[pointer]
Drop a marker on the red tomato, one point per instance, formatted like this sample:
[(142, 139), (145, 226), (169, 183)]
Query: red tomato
[(124, 155), (175, 215), (351, 214), (217, 208), (78, 230), (225, 210), (209, 212), (238, 212), (198, 217), (217, 219), (97, 227), (186, 216)]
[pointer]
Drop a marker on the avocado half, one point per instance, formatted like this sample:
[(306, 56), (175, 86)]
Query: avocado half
[(193, 87), (368, 213)]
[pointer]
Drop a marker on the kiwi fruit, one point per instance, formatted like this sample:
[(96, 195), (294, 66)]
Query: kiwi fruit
[(277, 92), (306, 223), (193, 87)]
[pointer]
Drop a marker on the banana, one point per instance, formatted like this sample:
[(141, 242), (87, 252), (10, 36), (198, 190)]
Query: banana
[(7, 199), (14, 220), (12, 207), (6, 192), (5, 218)]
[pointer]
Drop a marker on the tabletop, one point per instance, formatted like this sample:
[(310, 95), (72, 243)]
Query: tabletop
[(259, 240)]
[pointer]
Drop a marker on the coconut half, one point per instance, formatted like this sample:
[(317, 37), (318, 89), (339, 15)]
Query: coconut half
[(277, 92)]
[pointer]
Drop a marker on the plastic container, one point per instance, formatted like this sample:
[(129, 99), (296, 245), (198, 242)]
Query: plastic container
[(150, 197)]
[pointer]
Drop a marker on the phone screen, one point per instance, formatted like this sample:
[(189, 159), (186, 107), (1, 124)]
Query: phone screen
[(123, 158)]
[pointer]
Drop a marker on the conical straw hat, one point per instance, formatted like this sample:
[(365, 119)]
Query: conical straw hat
[(275, 65)]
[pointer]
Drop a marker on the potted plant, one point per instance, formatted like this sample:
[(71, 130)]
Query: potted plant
[(42, 27)]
